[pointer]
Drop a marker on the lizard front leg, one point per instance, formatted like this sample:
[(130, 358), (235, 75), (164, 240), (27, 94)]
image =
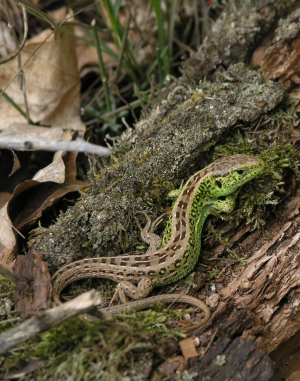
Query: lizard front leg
[(147, 233), (140, 291)]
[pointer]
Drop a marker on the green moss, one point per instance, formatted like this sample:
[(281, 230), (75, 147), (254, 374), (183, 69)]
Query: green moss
[(90, 350), (6, 286), (267, 189), (6, 304), (213, 235), (278, 156)]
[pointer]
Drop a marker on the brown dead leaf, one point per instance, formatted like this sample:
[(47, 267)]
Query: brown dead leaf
[(282, 62), (7, 239), (11, 174), (28, 131), (17, 164), (4, 197), (40, 38), (52, 85), (58, 14), (33, 291), (188, 348), (10, 162), (171, 365), (261, 104), (30, 199), (42, 195)]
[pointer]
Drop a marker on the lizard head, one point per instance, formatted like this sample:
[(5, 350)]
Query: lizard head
[(230, 173)]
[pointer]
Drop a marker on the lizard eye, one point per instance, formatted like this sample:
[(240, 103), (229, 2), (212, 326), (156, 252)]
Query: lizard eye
[(222, 198), (240, 171), (219, 184)]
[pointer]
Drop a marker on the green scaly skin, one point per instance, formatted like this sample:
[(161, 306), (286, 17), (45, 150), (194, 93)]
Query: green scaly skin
[(213, 188)]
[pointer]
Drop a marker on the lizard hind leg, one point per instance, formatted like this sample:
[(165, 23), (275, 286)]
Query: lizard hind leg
[(140, 291)]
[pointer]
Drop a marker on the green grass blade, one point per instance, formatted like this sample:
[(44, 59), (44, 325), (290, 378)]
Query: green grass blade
[(162, 54), (171, 26), (161, 34), (17, 107), (102, 68), (116, 7)]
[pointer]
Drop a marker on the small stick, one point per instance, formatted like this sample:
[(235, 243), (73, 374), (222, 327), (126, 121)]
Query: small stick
[(78, 145), (45, 320)]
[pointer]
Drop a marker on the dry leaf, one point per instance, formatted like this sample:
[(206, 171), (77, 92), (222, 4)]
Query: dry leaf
[(7, 239), (59, 14), (44, 194), (173, 364), (11, 174), (52, 85), (28, 202), (28, 131), (4, 197), (188, 348)]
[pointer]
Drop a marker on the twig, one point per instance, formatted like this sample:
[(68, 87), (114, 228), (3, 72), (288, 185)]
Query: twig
[(79, 145), (128, 104), (17, 231), (209, 344), (10, 320), (45, 320), (16, 52), (184, 46)]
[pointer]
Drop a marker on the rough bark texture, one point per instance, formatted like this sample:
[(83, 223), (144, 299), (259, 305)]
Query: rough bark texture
[(262, 299), (226, 361), (33, 289)]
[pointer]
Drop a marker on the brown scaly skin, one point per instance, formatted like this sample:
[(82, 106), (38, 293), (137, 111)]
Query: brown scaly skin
[(214, 187)]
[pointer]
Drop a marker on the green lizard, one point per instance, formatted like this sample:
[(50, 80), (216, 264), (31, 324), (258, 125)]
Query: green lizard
[(214, 187)]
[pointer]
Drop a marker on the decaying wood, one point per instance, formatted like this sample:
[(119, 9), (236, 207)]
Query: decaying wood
[(228, 359), (268, 307), (45, 320), (33, 292)]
